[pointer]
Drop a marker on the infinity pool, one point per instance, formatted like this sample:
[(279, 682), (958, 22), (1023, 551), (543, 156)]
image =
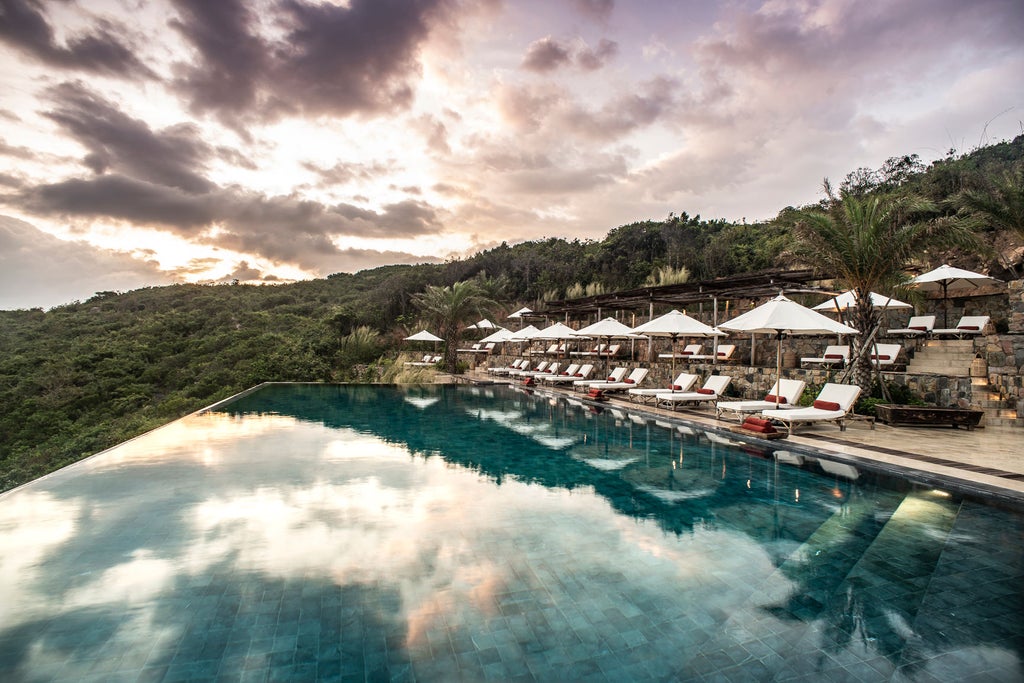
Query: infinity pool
[(310, 532)]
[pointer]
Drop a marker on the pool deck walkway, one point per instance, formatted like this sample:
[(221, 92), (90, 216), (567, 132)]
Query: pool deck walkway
[(988, 462)]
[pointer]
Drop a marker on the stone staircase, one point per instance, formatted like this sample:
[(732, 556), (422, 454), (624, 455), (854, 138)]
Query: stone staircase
[(953, 357)]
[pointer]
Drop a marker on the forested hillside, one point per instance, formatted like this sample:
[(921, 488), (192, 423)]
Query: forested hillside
[(82, 377)]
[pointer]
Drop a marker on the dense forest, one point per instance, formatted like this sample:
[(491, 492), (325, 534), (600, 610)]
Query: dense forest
[(82, 377)]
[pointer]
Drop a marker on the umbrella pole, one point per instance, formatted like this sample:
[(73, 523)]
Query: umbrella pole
[(778, 366)]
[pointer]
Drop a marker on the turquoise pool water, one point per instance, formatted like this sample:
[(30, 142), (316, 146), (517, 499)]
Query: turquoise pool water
[(307, 532)]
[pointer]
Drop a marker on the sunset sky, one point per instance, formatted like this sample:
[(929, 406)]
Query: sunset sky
[(144, 142)]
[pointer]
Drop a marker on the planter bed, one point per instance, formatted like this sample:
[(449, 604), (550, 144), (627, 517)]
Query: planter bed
[(928, 416)]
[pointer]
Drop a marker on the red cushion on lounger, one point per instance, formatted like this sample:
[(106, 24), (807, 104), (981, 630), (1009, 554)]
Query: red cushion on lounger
[(702, 390), (721, 354), (756, 421), (772, 398), (826, 405), (833, 356), (919, 328), (579, 374), (564, 374), (687, 353), (969, 327), (629, 381), (675, 387), (884, 356), (610, 379)]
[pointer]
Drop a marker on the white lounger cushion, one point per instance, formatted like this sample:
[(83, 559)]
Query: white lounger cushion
[(917, 325)]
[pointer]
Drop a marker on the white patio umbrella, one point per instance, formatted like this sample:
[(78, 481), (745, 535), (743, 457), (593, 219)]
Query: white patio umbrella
[(525, 334), (502, 335), (423, 335), (948, 278), (781, 316), (608, 328), (674, 325), (848, 299), (483, 324), (520, 313)]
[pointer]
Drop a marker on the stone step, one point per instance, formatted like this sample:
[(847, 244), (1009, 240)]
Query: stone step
[(927, 353), (938, 370), (1016, 422), (949, 344)]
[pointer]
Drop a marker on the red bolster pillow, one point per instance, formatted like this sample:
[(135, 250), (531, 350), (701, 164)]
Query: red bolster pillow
[(760, 429), (629, 381), (564, 374), (756, 421), (772, 398), (579, 374), (610, 379), (919, 328), (687, 353), (833, 356), (721, 354), (826, 405), (969, 327), (884, 356), (675, 387), (702, 390)]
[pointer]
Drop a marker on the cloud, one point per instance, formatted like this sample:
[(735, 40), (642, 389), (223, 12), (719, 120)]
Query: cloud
[(25, 27), (544, 55), (40, 270), (280, 228), (117, 142), (547, 55), (343, 172), (359, 58)]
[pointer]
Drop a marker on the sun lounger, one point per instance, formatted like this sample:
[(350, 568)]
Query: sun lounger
[(689, 351), (712, 389), (834, 356), (580, 374), (885, 355), (918, 326), (541, 367), (422, 361), (635, 378), (611, 351), (784, 394), (553, 371), (683, 382), (473, 349), (833, 403), (968, 326), (514, 365), (724, 353), (616, 375), (427, 362)]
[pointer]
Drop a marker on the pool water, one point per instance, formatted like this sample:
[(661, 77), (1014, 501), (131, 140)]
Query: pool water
[(312, 532)]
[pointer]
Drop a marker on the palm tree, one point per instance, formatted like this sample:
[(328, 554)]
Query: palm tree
[(999, 204), (450, 309), (867, 242)]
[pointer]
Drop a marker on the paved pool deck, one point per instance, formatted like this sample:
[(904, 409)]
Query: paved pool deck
[(988, 461)]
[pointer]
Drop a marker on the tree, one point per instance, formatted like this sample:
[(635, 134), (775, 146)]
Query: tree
[(450, 309), (867, 242), (998, 204)]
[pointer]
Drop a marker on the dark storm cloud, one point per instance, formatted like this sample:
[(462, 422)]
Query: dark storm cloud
[(336, 60), (119, 143), (122, 198), (283, 228), (593, 59), (16, 151), (25, 27), (547, 54)]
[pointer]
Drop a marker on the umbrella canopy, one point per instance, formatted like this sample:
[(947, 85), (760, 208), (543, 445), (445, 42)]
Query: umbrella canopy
[(781, 316), (556, 331), (675, 324), (848, 300), (609, 327), (524, 334), (520, 313), (946, 278), (484, 324), (502, 335), (423, 335)]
